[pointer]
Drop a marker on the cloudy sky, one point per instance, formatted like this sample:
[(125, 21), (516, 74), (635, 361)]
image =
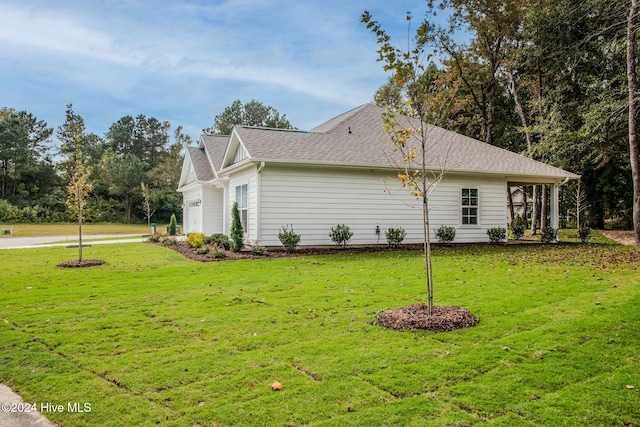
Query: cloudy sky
[(184, 61)]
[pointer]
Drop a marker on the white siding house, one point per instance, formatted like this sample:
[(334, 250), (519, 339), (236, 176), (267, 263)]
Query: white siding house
[(344, 172)]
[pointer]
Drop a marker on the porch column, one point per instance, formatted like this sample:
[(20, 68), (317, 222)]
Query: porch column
[(555, 205)]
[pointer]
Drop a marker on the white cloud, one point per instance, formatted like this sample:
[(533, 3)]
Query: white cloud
[(190, 57)]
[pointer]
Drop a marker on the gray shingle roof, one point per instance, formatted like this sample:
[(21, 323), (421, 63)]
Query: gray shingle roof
[(201, 164), (215, 146), (356, 138)]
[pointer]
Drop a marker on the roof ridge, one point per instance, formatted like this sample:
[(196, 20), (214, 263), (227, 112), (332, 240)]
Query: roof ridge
[(269, 128), (333, 123)]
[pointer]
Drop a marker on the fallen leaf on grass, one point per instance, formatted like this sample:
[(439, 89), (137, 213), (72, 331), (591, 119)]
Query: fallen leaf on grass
[(201, 404), (276, 386), (630, 387)]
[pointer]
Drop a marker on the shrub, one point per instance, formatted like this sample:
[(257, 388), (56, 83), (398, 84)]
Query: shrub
[(548, 235), (217, 253), (258, 249), (289, 238), (445, 234), (195, 240), (497, 235), (156, 238), (585, 234), (168, 240), (173, 225), (395, 236), (203, 250), (219, 239), (341, 235), (517, 231), (518, 226), (237, 233)]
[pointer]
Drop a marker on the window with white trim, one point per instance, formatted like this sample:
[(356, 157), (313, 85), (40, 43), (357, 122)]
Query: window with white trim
[(469, 206), (241, 199)]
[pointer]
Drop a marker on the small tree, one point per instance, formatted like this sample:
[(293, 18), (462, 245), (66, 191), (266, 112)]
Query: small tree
[(579, 197), (173, 225), (406, 124), (146, 204), (78, 190), (237, 233)]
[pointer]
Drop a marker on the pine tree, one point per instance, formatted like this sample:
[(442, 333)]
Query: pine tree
[(237, 233)]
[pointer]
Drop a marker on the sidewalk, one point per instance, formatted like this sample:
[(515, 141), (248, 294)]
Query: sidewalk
[(13, 414), (39, 242)]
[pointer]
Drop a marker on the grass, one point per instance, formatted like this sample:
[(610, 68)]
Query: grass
[(43, 229), (153, 338)]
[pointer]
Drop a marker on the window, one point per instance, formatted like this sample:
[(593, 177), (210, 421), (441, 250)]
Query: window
[(241, 198), (469, 206)]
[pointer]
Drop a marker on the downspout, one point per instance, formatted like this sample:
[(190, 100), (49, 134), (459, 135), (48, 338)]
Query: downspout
[(258, 202)]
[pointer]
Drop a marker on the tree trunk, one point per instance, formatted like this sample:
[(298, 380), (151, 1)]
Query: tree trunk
[(516, 99), (80, 234), (634, 147), (512, 212), (535, 211), (544, 211)]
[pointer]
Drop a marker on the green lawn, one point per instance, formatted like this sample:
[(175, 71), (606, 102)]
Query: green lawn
[(155, 339)]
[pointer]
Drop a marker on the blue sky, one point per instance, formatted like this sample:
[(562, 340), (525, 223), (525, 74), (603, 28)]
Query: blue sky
[(185, 61)]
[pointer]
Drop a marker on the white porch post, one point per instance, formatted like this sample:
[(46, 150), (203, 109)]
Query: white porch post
[(555, 206)]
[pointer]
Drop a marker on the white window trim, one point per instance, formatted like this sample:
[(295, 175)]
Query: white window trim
[(244, 210), (478, 206)]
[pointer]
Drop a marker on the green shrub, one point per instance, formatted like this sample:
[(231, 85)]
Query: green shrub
[(289, 238), (203, 250), (215, 252), (497, 235), (548, 235), (517, 231), (173, 225), (445, 234), (585, 234), (258, 249), (219, 239), (341, 235), (237, 233), (518, 227), (395, 236), (195, 240)]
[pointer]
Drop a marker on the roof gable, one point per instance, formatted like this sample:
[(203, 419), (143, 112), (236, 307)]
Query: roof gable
[(235, 151)]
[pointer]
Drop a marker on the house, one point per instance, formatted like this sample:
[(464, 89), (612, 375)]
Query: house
[(345, 172)]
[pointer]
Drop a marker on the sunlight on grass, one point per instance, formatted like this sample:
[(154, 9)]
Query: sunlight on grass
[(152, 338)]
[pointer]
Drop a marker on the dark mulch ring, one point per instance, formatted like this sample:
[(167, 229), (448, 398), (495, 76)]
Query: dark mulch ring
[(83, 263), (442, 319)]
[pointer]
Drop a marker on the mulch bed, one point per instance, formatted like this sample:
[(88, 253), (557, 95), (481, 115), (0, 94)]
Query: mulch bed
[(442, 319), (275, 252), (80, 264)]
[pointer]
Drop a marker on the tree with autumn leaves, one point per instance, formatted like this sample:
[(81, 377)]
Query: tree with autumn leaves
[(73, 135)]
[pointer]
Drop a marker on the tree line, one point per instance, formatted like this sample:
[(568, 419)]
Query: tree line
[(129, 174), (134, 151), (545, 78)]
